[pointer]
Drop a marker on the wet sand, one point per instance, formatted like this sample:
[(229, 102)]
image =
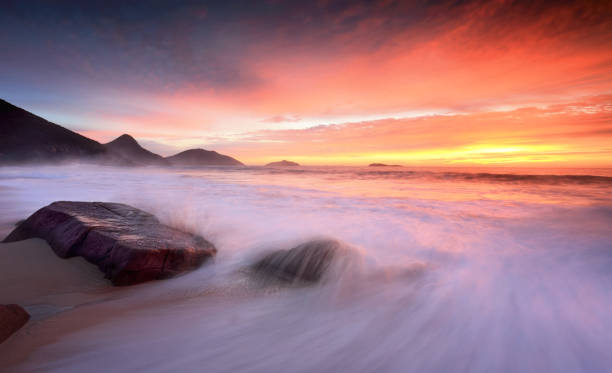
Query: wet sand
[(46, 286), (63, 297)]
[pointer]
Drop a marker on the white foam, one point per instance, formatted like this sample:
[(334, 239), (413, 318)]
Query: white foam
[(457, 275)]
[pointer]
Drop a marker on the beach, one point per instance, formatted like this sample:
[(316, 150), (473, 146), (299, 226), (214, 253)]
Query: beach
[(463, 270)]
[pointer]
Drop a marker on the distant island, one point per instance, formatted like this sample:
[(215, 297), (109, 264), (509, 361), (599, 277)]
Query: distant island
[(282, 163), (28, 138), (196, 157), (383, 165)]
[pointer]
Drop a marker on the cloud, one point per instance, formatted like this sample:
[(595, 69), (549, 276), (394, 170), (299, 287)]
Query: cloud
[(183, 71), (573, 134), (281, 119)]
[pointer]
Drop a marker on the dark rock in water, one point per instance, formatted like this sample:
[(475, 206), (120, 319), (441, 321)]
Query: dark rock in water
[(201, 157), (127, 244), (306, 263), (126, 147), (282, 163), (12, 318), (383, 165)]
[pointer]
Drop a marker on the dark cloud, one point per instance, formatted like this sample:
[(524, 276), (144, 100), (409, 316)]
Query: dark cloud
[(164, 44), (66, 47)]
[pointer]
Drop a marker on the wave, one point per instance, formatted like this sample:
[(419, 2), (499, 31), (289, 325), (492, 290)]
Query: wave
[(486, 177)]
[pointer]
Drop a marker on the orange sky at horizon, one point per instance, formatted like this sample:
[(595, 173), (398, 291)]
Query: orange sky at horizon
[(567, 135), (436, 84)]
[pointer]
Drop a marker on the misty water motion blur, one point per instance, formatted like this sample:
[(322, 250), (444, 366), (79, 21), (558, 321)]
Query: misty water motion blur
[(464, 270)]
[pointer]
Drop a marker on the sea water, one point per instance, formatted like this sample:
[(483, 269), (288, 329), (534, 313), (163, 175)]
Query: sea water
[(449, 270)]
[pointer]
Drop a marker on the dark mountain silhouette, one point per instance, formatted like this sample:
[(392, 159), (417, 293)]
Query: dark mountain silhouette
[(28, 138), (128, 148), (25, 137), (282, 163), (201, 157)]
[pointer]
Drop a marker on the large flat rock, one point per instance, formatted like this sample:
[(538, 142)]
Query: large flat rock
[(12, 318), (127, 244)]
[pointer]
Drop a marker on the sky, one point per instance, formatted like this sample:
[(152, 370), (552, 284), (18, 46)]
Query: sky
[(433, 83)]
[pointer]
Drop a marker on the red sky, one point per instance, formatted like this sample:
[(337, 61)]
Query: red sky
[(442, 83)]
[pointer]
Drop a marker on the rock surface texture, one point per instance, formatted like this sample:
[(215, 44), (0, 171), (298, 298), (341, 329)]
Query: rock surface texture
[(306, 263), (12, 317), (127, 244)]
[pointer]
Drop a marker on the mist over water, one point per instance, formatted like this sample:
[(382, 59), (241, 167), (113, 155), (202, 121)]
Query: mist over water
[(463, 270)]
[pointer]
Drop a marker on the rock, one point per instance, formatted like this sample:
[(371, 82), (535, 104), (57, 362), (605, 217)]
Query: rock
[(202, 157), (282, 163), (12, 318), (383, 165), (127, 244), (305, 263)]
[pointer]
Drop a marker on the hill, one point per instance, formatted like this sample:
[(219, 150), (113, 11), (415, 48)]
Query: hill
[(127, 147), (282, 163), (28, 138), (201, 157), (25, 137)]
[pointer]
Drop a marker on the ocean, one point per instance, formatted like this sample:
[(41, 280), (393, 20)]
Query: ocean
[(446, 269)]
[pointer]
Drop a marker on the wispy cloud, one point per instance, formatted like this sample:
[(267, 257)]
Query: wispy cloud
[(281, 119), (575, 133), (218, 71)]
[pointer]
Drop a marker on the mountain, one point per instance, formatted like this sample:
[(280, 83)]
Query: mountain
[(282, 163), (128, 148), (25, 137), (201, 157)]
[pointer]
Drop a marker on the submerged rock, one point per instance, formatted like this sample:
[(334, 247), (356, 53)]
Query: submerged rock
[(12, 318), (305, 263), (127, 244)]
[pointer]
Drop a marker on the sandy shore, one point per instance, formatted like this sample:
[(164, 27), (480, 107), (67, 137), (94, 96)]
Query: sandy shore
[(46, 286), (32, 274), (65, 296)]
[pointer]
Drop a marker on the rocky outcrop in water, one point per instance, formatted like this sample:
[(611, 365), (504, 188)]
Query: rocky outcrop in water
[(282, 163), (127, 244), (202, 157), (12, 318), (383, 165), (306, 263)]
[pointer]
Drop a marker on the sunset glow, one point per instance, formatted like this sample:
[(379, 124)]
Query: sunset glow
[(330, 82), (257, 186)]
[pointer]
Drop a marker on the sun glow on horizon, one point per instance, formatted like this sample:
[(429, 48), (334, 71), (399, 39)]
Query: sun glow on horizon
[(476, 155), (500, 82)]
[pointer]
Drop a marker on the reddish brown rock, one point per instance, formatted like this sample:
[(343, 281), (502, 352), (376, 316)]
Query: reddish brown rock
[(12, 317), (127, 244)]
